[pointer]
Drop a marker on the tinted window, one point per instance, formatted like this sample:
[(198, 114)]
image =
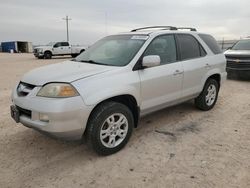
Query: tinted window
[(202, 51), (211, 42), (57, 45), (65, 44), (189, 47), (163, 46)]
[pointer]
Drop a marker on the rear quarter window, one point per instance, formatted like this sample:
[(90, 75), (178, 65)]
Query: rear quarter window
[(211, 43)]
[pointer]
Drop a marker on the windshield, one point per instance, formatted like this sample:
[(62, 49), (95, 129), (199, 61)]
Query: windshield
[(51, 44), (117, 50), (242, 45)]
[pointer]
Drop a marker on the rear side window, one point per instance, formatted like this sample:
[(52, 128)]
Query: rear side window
[(189, 47), (211, 43)]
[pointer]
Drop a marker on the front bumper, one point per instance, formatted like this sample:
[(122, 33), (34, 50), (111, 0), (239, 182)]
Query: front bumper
[(38, 54), (67, 116)]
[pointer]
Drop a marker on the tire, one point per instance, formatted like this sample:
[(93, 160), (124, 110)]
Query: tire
[(207, 104), (100, 123), (47, 55)]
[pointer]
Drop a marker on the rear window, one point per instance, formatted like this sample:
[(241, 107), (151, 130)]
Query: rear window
[(211, 43)]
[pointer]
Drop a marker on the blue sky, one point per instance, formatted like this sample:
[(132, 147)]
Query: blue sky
[(41, 21)]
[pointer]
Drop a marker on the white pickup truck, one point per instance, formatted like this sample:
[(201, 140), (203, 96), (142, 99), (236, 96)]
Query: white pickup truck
[(57, 49)]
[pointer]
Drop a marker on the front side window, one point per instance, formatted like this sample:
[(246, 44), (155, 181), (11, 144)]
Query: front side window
[(117, 50), (57, 45), (189, 47), (242, 45), (163, 46)]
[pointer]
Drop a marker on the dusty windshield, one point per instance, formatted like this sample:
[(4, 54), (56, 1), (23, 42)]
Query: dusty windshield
[(117, 50)]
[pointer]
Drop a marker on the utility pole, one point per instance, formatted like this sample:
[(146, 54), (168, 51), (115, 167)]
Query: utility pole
[(67, 26)]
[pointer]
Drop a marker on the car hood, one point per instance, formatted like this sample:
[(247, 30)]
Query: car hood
[(237, 53), (67, 71), (42, 47)]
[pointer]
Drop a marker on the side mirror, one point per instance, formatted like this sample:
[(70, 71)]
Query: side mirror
[(230, 48), (151, 61)]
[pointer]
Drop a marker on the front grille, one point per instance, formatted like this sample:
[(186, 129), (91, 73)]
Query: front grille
[(238, 65), (238, 62), (24, 112), (24, 89)]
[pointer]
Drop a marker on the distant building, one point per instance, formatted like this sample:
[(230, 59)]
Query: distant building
[(17, 46)]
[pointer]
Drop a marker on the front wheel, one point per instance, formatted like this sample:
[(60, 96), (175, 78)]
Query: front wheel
[(208, 97), (47, 55), (109, 128)]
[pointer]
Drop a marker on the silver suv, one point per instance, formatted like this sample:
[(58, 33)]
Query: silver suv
[(102, 93)]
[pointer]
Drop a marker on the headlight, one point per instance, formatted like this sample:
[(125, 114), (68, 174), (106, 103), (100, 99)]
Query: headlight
[(40, 50), (57, 90)]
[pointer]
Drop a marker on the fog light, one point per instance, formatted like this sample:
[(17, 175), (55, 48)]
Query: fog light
[(43, 117)]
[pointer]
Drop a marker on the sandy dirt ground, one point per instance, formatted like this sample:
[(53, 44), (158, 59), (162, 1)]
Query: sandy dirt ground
[(176, 147)]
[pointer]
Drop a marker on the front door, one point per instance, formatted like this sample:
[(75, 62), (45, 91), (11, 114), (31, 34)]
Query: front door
[(161, 85)]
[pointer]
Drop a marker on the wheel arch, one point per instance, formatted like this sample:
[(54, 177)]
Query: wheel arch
[(126, 99), (214, 74), (216, 77), (48, 51)]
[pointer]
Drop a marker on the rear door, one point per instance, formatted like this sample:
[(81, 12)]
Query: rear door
[(66, 48), (194, 64), (161, 85)]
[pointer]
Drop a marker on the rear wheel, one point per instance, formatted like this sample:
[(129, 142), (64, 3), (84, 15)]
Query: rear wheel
[(208, 97), (109, 128)]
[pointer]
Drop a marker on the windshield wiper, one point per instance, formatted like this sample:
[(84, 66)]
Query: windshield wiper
[(92, 62)]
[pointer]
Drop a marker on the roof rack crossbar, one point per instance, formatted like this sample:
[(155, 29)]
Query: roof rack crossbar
[(190, 28), (154, 27)]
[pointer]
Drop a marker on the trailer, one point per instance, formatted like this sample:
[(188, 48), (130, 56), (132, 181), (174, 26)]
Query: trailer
[(17, 47)]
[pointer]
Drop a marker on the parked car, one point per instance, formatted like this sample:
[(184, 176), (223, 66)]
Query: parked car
[(238, 58), (102, 93), (57, 49)]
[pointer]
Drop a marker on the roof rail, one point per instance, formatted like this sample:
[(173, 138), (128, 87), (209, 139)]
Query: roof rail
[(190, 28), (154, 27)]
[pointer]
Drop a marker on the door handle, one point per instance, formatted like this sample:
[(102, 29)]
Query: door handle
[(177, 72)]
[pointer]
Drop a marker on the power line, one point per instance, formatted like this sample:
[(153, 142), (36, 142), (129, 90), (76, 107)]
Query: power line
[(67, 26)]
